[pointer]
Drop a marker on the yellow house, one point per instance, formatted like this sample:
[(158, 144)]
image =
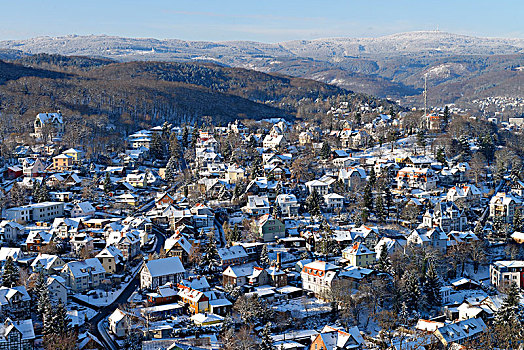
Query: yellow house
[(62, 162), (75, 154), (235, 174), (359, 255)]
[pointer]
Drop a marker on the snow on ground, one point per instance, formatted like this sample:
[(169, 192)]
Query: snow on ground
[(78, 313), (103, 298), (482, 275), (303, 307)]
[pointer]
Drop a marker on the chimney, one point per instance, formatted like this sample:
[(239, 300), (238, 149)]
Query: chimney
[(279, 259)]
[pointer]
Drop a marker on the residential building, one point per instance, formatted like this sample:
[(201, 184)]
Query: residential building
[(352, 177), (257, 205), (57, 289), (447, 216), (270, 229), (44, 211), (460, 332), (17, 335), (422, 178), (318, 186), (158, 272), (468, 194), (196, 300), (111, 259), (502, 273), (62, 162), (331, 338), (288, 205), (83, 275), (359, 255), (49, 125), (47, 264), (318, 277), (426, 237), (333, 202), (15, 302), (82, 209), (10, 231), (503, 205), (119, 323), (234, 255)]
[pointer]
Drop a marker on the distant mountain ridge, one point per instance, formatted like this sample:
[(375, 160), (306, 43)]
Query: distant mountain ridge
[(388, 66)]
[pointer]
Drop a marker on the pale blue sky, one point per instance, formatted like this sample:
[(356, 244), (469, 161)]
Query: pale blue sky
[(262, 20)]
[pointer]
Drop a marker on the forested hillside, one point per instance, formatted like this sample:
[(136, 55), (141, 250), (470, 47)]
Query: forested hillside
[(101, 92)]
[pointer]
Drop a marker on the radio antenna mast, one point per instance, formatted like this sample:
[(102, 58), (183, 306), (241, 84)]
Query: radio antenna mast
[(425, 94)]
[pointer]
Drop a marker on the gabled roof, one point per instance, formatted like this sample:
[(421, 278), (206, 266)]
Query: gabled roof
[(166, 266), (233, 252)]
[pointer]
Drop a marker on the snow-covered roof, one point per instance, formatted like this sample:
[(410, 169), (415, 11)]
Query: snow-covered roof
[(166, 266)]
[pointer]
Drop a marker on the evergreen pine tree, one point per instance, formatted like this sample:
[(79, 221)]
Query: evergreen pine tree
[(510, 315), (17, 195), (421, 139), (441, 157), (194, 136), (175, 150), (266, 341), (36, 191), (403, 315), (108, 186), (372, 177), (48, 327), (171, 169), (185, 137), (61, 322), (326, 246), (411, 290), (431, 288), (383, 262), (43, 302), (517, 220), (43, 193), (379, 208), (257, 168), (325, 151), (10, 274), (313, 203), (445, 117), (210, 259), (368, 197), (388, 199), (156, 148), (264, 256)]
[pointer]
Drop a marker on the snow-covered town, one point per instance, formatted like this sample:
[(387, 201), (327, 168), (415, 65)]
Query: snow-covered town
[(368, 228)]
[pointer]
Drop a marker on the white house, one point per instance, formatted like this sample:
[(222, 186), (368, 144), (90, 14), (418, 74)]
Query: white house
[(57, 289), (333, 201), (318, 276), (318, 186), (82, 209), (257, 205), (83, 275), (502, 273), (288, 204), (161, 271), (274, 142), (429, 237)]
